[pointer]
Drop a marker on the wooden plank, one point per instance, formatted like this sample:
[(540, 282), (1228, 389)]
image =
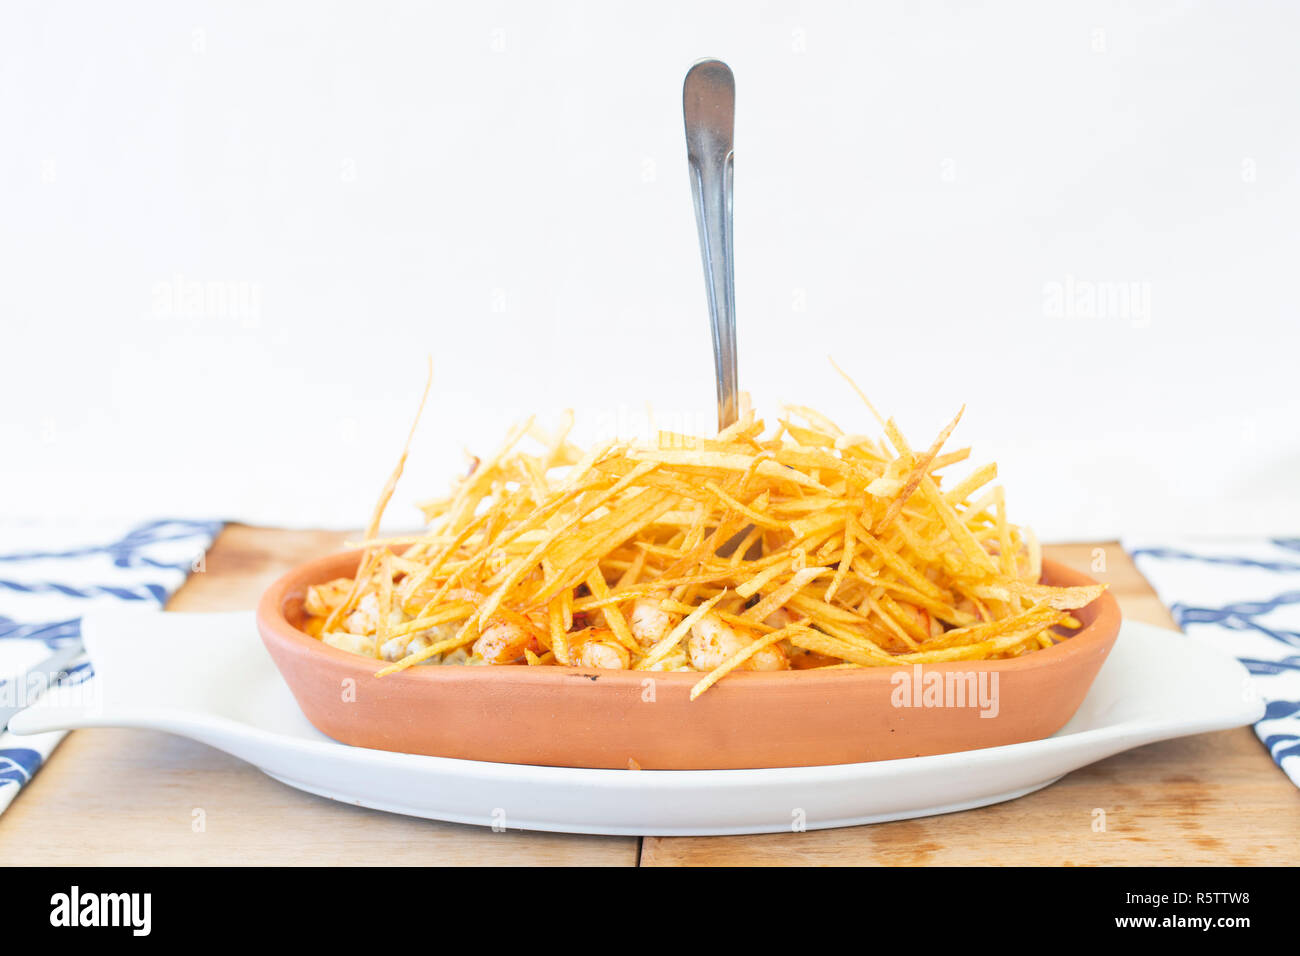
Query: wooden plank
[(1209, 799), (132, 797), (129, 797), (1203, 800)]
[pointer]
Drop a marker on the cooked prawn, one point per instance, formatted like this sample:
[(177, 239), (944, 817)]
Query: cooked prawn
[(364, 618), (597, 647), (506, 637), (352, 643), (781, 617), (649, 621), (712, 641), (394, 649)]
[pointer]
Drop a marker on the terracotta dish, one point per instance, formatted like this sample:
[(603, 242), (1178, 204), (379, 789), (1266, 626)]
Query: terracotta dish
[(574, 717)]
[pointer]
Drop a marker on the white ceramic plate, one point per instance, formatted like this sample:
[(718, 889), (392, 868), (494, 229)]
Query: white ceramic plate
[(207, 676)]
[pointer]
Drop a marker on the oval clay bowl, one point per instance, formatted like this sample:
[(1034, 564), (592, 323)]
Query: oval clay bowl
[(576, 717)]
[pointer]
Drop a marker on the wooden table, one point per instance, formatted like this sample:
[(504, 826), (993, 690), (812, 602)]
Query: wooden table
[(129, 797)]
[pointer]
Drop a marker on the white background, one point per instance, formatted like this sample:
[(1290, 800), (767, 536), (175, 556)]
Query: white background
[(503, 186)]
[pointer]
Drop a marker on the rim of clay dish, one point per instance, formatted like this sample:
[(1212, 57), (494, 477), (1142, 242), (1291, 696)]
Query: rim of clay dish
[(1101, 623)]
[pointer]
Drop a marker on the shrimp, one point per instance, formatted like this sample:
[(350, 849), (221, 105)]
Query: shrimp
[(810, 660), (364, 618), (781, 617), (323, 598), (712, 642), (352, 643), (597, 647), (506, 637), (396, 648), (649, 622)]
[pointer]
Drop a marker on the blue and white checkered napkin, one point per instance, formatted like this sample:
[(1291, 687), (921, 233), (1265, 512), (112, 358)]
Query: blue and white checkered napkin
[(1244, 595), (50, 575)]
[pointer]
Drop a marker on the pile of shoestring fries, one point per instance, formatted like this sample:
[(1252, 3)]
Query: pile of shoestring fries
[(837, 549)]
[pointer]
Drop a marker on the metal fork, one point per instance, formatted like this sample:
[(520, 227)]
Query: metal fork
[(709, 107), (51, 669)]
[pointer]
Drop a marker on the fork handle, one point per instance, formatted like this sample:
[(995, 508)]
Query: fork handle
[(709, 107), (50, 669)]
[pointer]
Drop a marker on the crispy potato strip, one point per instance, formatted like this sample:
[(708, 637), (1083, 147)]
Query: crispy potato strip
[(815, 540)]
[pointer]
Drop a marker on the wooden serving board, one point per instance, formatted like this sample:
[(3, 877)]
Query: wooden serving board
[(142, 797)]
